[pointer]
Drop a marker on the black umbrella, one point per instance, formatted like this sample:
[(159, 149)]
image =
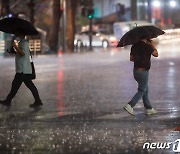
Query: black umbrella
[(16, 25), (136, 34)]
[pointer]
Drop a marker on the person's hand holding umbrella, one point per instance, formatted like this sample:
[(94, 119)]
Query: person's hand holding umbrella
[(17, 49), (150, 42)]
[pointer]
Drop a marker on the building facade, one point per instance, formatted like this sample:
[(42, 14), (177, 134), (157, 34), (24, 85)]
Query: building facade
[(164, 13), (106, 7)]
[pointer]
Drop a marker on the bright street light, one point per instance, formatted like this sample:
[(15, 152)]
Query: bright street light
[(156, 3), (172, 3)]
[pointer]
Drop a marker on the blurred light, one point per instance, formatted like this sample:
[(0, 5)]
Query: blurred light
[(101, 38), (140, 4), (146, 3), (125, 29), (112, 38), (156, 3), (171, 63), (172, 3), (112, 53), (97, 34), (90, 16), (10, 15)]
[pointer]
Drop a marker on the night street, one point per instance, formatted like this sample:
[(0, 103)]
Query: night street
[(83, 96)]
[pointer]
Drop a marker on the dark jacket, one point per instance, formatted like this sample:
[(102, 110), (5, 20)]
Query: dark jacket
[(141, 52)]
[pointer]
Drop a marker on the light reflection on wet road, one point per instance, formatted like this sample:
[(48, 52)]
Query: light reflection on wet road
[(83, 96)]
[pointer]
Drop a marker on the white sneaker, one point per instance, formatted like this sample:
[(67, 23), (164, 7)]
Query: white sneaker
[(129, 109), (150, 111)]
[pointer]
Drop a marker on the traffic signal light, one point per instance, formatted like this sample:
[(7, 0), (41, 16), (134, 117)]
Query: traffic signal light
[(84, 12), (90, 13)]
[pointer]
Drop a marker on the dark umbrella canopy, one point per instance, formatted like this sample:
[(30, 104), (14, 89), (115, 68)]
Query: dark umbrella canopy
[(138, 33), (16, 25)]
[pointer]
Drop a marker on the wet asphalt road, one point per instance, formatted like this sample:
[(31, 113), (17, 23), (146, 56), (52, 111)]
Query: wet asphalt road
[(83, 96)]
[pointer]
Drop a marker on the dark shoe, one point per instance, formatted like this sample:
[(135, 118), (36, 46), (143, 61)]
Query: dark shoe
[(6, 103), (36, 104)]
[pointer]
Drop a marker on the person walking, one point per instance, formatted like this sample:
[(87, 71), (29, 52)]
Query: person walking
[(141, 56), (23, 69)]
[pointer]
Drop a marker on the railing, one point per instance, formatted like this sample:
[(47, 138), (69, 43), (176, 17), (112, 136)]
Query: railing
[(35, 45), (2, 46)]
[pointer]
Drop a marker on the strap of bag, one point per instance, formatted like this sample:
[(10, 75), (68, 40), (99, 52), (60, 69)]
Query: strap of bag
[(31, 60)]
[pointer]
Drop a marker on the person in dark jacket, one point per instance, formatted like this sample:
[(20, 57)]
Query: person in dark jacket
[(141, 56), (23, 68)]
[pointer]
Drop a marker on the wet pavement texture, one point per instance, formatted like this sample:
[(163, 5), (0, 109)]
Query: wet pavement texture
[(83, 96)]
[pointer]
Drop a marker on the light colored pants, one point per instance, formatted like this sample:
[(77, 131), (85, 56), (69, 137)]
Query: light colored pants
[(141, 76)]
